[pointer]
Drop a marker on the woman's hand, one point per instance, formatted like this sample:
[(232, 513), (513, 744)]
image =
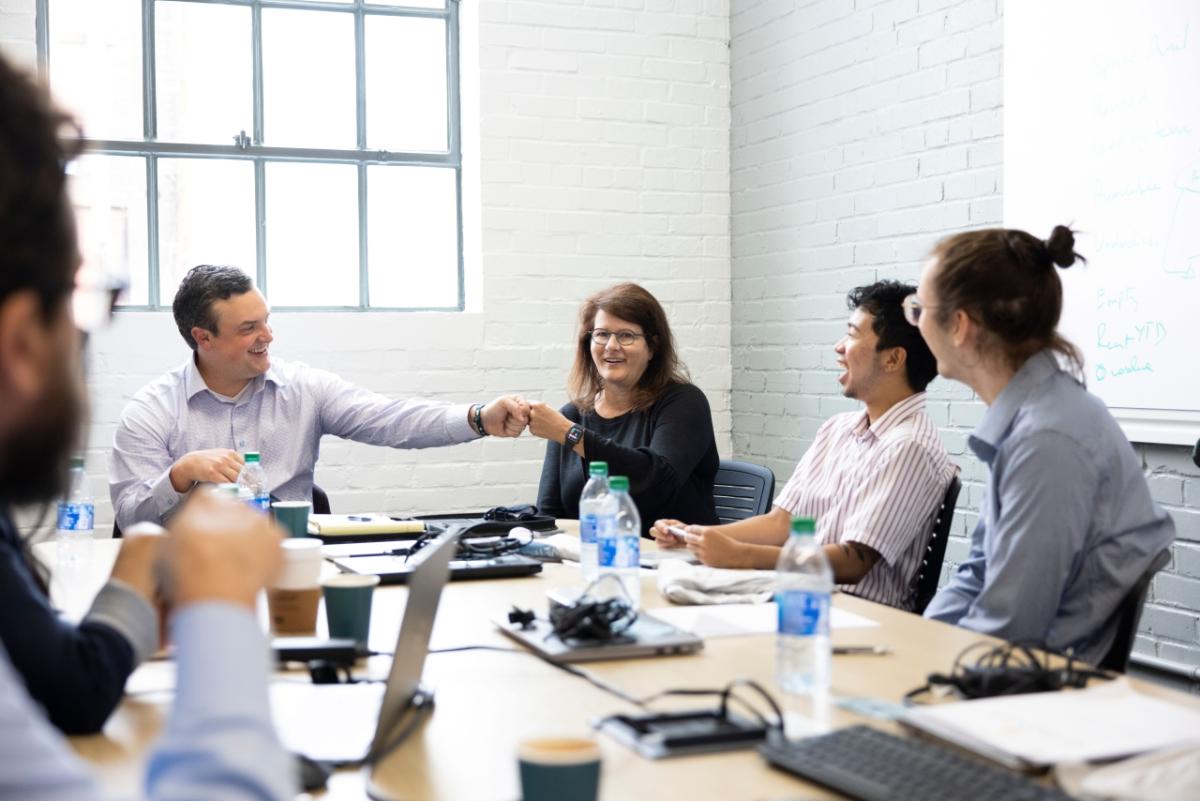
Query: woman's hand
[(664, 537), (547, 422), (716, 549)]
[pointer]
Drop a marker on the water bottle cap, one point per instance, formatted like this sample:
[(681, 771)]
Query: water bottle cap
[(598, 469), (251, 456), (804, 525), (76, 461), (619, 483)]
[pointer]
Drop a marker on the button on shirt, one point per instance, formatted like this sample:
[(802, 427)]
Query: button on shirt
[(879, 485), (282, 414), (1066, 523)]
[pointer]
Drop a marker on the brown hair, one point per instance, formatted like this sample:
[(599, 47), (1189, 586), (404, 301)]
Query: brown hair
[(633, 303), (1004, 279)]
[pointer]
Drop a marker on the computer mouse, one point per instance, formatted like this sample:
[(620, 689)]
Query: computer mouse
[(313, 775)]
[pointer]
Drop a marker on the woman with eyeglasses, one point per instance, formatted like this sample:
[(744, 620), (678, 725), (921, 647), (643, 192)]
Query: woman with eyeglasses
[(634, 407), (1066, 522)]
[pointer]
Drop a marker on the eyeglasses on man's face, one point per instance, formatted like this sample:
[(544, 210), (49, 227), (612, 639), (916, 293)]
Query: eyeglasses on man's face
[(624, 338), (913, 309)]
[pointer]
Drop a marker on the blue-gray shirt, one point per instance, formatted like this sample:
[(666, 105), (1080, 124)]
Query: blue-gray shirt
[(282, 414), (1066, 522), (219, 743)]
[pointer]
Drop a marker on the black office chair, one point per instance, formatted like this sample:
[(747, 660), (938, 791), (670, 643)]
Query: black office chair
[(1129, 614), (320, 502), (935, 552), (742, 489)]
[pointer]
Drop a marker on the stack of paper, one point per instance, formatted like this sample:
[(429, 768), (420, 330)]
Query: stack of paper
[(732, 620), (1040, 729), (355, 525)]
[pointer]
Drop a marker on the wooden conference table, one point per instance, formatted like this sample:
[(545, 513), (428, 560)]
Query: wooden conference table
[(487, 701)]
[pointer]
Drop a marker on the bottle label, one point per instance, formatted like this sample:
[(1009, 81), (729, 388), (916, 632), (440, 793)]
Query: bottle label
[(618, 552), (76, 516), (803, 613), (587, 528), (262, 503)]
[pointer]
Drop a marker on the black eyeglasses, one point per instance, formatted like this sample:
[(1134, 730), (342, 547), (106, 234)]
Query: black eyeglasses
[(624, 338), (94, 298)]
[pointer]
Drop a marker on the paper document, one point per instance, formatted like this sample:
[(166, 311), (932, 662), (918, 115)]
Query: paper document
[(1101, 722), (348, 525), (730, 620)]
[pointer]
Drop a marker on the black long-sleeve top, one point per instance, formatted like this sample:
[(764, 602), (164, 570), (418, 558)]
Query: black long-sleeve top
[(77, 673), (668, 451)]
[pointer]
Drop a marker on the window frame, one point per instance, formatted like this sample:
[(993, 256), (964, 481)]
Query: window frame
[(250, 147)]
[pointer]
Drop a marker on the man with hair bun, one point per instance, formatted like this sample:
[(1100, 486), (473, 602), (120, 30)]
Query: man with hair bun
[(1066, 523)]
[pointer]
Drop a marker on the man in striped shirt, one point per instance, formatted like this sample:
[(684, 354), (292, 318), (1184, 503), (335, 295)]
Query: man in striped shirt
[(873, 479)]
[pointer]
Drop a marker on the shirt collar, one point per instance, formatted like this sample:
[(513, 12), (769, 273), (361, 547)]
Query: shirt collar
[(193, 382), (897, 414), (998, 418)]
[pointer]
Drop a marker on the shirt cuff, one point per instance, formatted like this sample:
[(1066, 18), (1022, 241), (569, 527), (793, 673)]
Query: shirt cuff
[(223, 660), (458, 423), (165, 497), (122, 608)]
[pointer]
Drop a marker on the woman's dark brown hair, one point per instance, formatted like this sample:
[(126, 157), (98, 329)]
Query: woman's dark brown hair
[(634, 304), (1004, 279)]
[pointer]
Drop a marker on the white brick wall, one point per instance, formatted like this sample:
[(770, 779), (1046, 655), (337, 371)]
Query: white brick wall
[(862, 133), (602, 154)]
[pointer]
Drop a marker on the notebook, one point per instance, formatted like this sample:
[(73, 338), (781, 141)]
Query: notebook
[(350, 724)]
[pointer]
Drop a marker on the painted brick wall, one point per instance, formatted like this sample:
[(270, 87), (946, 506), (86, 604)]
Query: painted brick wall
[(599, 152), (862, 133)]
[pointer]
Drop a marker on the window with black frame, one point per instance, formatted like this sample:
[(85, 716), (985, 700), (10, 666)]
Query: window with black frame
[(313, 143)]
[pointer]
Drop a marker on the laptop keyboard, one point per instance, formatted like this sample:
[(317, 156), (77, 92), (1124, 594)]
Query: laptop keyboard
[(871, 765)]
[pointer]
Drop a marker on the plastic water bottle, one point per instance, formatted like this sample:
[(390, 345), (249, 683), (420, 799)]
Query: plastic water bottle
[(803, 589), (594, 510), (252, 483), (620, 544), (76, 526)]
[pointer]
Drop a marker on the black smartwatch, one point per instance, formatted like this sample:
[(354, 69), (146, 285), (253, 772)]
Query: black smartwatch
[(574, 434)]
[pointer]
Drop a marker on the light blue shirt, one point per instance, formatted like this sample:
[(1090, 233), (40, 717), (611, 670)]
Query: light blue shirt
[(1066, 523), (282, 414), (219, 743)]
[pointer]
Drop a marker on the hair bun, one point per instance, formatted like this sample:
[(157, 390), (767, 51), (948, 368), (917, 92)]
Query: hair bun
[(1061, 246)]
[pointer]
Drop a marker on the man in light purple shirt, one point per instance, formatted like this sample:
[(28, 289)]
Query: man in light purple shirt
[(193, 424)]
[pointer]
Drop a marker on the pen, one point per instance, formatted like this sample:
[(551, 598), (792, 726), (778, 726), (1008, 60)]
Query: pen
[(854, 650)]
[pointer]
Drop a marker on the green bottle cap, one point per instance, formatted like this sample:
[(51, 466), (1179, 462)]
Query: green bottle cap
[(598, 469), (76, 461), (251, 456), (619, 483), (805, 526)]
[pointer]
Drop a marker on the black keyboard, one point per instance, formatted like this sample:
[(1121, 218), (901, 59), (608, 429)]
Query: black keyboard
[(872, 765)]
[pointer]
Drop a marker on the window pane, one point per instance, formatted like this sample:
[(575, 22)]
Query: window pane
[(406, 83), (412, 237), (205, 216), (109, 196), (312, 234), (308, 79), (411, 3), (203, 96), (96, 64)]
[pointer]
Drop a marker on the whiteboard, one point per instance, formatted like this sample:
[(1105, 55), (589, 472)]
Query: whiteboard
[(1102, 132)]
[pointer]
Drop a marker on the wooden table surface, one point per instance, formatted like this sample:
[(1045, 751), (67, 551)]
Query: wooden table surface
[(487, 701)]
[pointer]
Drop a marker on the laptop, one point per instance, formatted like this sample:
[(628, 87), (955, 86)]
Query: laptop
[(352, 724), (390, 561), (648, 636)]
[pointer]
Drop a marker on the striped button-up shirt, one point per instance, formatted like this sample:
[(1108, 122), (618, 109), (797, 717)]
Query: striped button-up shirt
[(282, 414), (879, 485)]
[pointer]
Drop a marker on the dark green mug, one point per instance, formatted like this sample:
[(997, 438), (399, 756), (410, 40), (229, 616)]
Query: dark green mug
[(348, 605), (559, 769)]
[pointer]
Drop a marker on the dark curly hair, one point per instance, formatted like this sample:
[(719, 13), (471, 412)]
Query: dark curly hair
[(203, 285), (37, 226), (884, 300)]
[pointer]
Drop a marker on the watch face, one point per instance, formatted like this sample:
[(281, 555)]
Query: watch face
[(574, 434)]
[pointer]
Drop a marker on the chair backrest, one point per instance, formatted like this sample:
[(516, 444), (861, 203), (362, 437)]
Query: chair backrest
[(930, 570), (320, 501), (1128, 615), (742, 489)]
